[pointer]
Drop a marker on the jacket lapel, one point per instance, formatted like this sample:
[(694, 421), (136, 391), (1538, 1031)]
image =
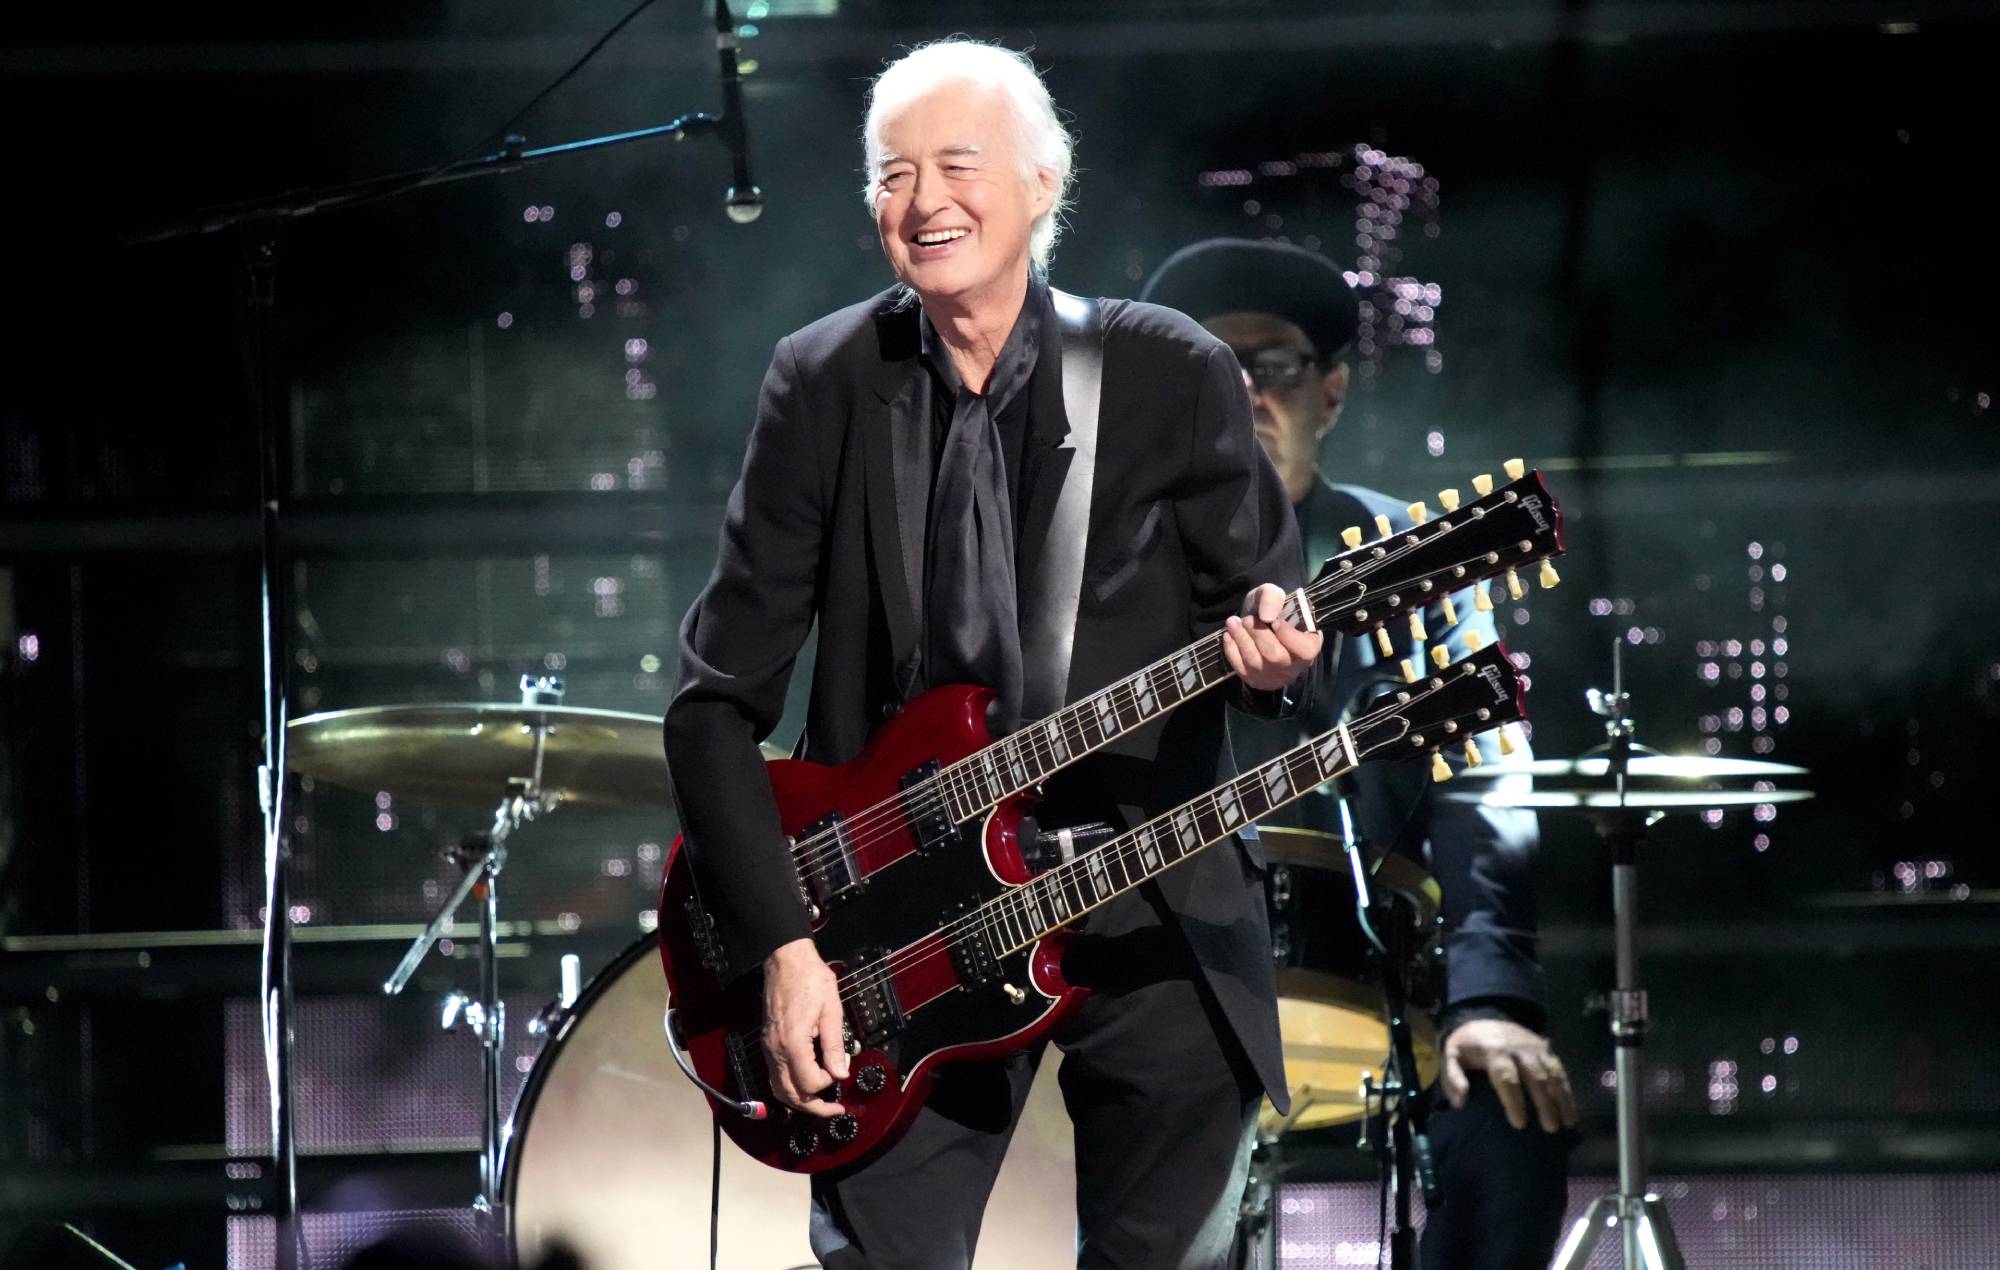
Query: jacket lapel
[(896, 441)]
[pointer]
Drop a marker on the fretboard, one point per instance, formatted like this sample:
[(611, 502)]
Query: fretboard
[(1061, 895), (1025, 758)]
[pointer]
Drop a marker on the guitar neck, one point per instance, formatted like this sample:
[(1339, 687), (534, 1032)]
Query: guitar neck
[(1364, 589), (1061, 895), (1037, 751)]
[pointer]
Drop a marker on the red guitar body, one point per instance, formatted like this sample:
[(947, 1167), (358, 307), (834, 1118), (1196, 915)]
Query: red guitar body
[(881, 868)]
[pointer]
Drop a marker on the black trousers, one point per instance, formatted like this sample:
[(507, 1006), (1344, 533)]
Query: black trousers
[(1503, 1189), (1162, 1100)]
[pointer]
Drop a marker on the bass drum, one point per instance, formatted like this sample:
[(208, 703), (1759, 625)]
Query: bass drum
[(1330, 1009), (610, 1147)]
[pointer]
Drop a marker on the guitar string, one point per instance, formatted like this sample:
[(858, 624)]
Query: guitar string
[(937, 942), (1128, 692), (818, 866), (889, 818), (956, 777), (930, 945)]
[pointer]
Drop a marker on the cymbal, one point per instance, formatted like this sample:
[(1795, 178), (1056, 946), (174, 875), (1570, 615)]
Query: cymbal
[(466, 753), (1598, 798), (1643, 766)]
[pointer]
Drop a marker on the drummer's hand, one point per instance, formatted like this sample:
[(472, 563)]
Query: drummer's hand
[(1264, 649), (803, 1044), (1513, 1057)]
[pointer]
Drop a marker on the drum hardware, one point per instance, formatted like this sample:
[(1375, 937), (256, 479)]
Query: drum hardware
[(541, 755), (1324, 877), (1407, 1145), (1624, 789), (549, 1020)]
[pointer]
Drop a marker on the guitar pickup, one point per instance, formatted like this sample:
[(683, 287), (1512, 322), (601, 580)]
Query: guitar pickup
[(972, 956), (925, 812), (874, 1013), (831, 875)]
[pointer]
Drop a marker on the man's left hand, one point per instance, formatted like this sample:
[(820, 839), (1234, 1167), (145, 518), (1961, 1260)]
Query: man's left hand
[(1521, 1065), (1263, 647)]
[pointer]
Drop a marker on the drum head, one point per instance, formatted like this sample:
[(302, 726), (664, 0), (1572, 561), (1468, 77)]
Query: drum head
[(611, 1148)]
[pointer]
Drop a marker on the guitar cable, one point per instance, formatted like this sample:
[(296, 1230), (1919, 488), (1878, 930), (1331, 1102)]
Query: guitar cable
[(749, 1108)]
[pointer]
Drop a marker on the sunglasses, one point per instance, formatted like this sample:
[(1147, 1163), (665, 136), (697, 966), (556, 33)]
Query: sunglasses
[(1275, 368)]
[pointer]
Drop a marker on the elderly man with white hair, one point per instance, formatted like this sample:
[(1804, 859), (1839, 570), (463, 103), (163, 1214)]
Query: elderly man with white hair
[(906, 491)]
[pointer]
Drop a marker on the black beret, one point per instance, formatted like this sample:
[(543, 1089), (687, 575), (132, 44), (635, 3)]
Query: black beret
[(1242, 275)]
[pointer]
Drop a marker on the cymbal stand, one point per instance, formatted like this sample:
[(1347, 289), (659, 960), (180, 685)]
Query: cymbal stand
[(1637, 1213), (482, 855)]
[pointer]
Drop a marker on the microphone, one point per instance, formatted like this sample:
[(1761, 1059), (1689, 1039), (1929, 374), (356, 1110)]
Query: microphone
[(744, 202)]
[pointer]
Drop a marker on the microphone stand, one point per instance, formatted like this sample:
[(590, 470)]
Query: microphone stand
[(258, 223)]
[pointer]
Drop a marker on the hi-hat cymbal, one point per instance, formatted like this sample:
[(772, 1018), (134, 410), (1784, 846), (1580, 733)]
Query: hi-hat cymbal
[(1644, 767), (605, 759), (1598, 798)]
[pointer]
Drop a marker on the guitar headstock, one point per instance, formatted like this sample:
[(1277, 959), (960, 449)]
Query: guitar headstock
[(1398, 576), (1478, 693)]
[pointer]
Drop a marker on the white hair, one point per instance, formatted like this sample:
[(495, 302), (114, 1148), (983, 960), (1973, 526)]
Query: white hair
[(1045, 145)]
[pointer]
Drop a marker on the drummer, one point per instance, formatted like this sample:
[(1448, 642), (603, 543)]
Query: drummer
[(1502, 1135)]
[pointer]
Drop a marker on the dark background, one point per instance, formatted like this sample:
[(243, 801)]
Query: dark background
[(1725, 271)]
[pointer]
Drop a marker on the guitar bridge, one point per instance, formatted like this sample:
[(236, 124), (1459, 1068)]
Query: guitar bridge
[(930, 821), (874, 1013), (971, 951), (746, 1065)]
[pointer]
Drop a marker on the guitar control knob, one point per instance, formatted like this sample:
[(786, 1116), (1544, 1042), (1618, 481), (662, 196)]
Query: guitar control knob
[(842, 1129), (872, 1079), (803, 1141)]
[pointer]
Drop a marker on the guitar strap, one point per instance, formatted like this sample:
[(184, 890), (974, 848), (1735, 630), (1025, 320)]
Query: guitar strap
[(1048, 632)]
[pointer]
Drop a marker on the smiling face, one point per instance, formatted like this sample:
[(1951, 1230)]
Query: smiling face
[(953, 201)]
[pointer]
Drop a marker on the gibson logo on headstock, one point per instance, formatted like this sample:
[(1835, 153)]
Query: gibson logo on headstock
[(1532, 504), (1497, 682)]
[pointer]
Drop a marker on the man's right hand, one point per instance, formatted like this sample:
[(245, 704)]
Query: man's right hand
[(803, 1041)]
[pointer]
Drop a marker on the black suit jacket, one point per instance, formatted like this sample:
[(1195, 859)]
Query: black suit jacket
[(1186, 515)]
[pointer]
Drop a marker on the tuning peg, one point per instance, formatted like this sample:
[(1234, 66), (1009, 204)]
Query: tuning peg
[(1409, 672), (1382, 529), (1440, 657), (1382, 640), (1480, 600), (1515, 469), (1418, 512), (1514, 587), (1448, 499), (1473, 642), (1506, 735), (1351, 536), (1482, 484), (1547, 577), (1417, 625), (1450, 613), (1473, 758), (1440, 770)]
